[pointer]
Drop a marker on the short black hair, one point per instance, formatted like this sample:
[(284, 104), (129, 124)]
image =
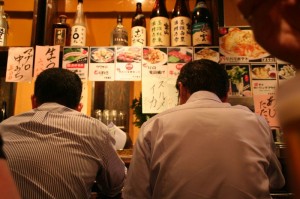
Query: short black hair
[(204, 75), (58, 85)]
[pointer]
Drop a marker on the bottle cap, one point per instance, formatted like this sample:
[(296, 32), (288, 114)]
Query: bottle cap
[(119, 18)]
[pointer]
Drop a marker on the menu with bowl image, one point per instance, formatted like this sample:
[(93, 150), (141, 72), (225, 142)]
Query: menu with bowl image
[(102, 63)]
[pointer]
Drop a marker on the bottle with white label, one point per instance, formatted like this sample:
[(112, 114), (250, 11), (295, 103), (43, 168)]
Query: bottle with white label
[(159, 25), (78, 31), (3, 25), (181, 25), (138, 27), (202, 25)]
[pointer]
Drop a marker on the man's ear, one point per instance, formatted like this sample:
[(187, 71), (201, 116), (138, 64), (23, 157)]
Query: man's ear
[(184, 94), (33, 102), (79, 107)]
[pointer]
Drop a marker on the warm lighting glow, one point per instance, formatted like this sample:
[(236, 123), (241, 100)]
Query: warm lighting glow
[(139, 1)]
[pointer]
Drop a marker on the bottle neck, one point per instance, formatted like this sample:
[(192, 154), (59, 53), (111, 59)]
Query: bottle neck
[(180, 6), (1, 10), (138, 8), (159, 9), (79, 18)]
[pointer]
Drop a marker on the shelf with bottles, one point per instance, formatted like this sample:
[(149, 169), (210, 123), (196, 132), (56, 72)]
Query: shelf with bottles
[(100, 21)]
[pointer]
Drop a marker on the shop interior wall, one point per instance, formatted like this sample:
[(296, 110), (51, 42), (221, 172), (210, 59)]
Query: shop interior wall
[(101, 19)]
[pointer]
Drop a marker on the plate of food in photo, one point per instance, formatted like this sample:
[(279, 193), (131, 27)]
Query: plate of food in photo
[(102, 55), (241, 43), (154, 56)]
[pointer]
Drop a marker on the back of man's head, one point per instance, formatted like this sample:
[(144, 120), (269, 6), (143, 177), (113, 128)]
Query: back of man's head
[(204, 75), (58, 85)]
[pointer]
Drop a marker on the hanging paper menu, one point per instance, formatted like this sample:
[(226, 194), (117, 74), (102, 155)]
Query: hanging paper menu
[(102, 64), (156, 85), (46, 57), (128, 64), (76, 60), (19, 64)]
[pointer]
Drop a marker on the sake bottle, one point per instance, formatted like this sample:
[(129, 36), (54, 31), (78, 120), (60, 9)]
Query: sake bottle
[(138, 27), (202, 33), (3, 25), (61, 32), (119, 35), (159, 25), (181, 25), (78, 31)]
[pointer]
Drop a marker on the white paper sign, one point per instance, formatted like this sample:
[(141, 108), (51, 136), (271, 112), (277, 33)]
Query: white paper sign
[(128, 64), (102, 64), (84, 97), (76, 60), (19, 64), (46, 57)]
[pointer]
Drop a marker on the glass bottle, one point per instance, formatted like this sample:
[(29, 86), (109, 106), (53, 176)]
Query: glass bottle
[(138, 27), (3, 111), (3, 25), (201, 25), (78, 31), (159, 25), (61, 32), (181, 25), (119, 35)]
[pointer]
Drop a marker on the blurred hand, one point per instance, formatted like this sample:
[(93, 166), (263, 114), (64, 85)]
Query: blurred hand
[(276, 26)]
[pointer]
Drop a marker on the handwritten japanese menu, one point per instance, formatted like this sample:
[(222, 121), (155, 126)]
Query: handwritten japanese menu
[(19, 64), (46, 57)]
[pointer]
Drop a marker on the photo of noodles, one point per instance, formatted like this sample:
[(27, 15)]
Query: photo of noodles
[(239, 42)]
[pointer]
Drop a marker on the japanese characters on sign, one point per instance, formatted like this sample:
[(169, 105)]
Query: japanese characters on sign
[(19, 64), (102, 64), (128, 63), (76, 60), (46, 57)]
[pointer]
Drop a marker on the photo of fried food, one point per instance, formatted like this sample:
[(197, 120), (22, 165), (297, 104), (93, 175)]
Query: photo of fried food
[(239, 42), (154, 56), (207, 53)]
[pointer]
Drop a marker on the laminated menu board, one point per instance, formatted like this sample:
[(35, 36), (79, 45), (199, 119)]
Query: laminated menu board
[(128, 63), (237, 45), (76, 60), (102, 63), (211, 53)]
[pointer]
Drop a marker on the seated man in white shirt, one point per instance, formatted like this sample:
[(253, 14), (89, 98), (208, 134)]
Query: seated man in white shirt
[(53, 150), (204, 148)]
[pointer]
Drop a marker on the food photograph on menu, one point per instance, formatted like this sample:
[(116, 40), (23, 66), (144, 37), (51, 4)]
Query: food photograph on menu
[(263, 71), (180, 55), (240, 42), (156, 56), (239, 77), (211, 53), (102, 55)]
